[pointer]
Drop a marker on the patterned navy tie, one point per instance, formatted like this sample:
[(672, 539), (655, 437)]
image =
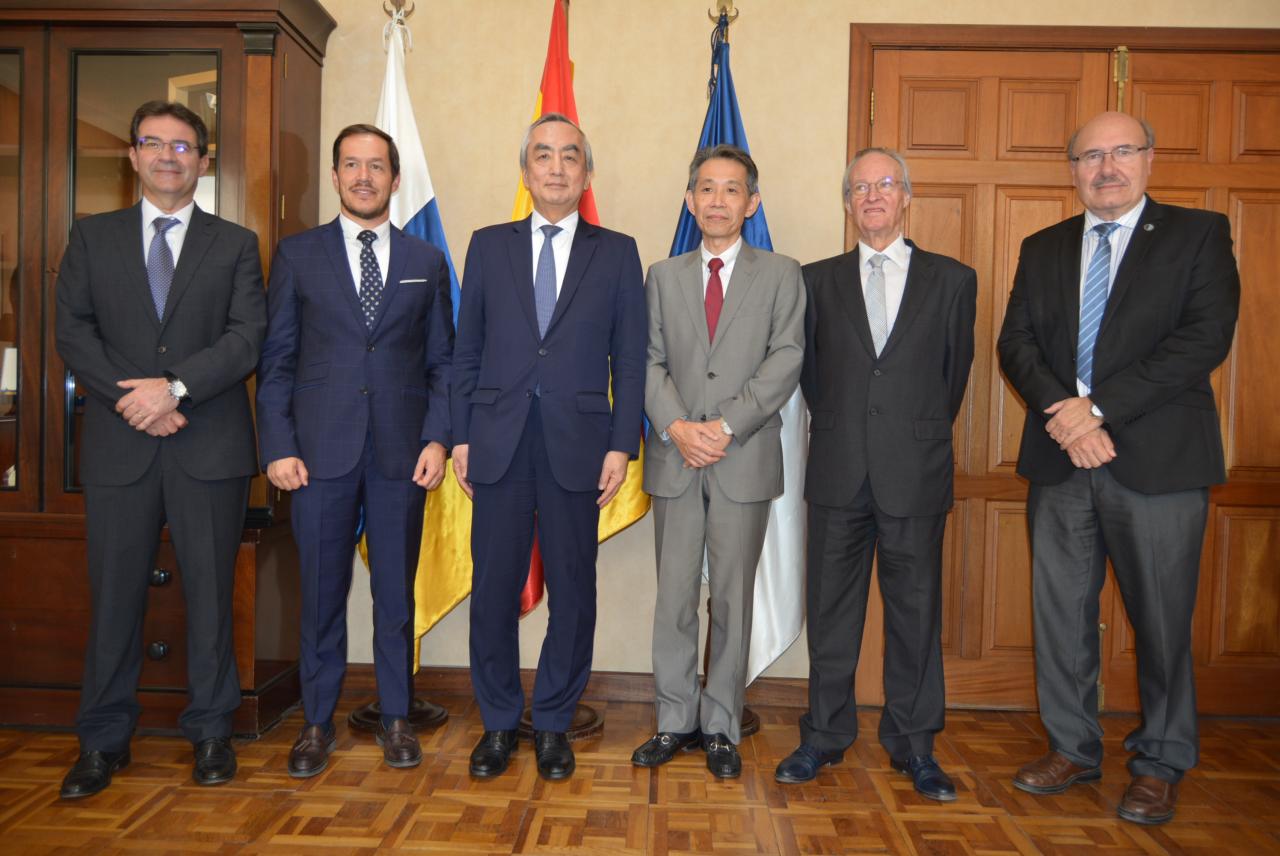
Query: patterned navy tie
[(544, 281), (1097, 285), (370, 278), (160, 263)]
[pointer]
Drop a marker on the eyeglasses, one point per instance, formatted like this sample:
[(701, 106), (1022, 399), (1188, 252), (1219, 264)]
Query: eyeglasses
[(155, 145), (883, 186), (1119, 154)]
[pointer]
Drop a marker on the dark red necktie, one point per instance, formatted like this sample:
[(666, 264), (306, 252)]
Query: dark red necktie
[(714, 300)]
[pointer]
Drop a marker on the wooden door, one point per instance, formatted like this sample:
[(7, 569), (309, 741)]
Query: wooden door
[(984, 132)]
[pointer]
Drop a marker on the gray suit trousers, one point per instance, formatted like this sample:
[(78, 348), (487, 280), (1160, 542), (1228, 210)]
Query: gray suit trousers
[(1154, 542), (732, 534)]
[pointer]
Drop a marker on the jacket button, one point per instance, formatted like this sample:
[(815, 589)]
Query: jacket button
[(364, 390), (875, 411), (542, 352), (528, 393), (702, 418), (162, 349), (711, 375), (875, 372), (369, 349)]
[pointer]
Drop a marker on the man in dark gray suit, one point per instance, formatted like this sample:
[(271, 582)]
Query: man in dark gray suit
[(888, 345), (726, 340), (160, 316)]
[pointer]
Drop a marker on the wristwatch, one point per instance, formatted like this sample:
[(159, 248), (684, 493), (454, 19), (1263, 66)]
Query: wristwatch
[(178, 390)]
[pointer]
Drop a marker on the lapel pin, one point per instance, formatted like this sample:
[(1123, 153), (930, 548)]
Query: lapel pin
[(1150, 227)]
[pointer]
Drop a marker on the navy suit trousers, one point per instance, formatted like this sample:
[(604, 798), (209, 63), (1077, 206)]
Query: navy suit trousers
[(325, 516), (505, 516)]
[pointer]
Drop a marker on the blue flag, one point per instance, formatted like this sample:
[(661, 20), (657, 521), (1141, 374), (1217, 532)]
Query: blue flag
[(722, 125)]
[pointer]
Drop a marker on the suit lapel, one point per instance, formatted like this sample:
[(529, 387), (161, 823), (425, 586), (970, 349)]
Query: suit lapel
[(129, 238), (1069, 286), (200, 236), (395, 269), (689, 282), (1145, 233), (917, 289), (741, 282), (848, 284), (336, 250), (580, 252), (520, 251)]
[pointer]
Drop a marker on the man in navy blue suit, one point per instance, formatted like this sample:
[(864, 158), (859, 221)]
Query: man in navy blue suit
[(353, 412), (552, 320)]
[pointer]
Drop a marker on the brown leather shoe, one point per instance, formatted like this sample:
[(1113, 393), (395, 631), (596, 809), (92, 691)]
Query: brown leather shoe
[(1053, 774), (399, 744), (310, 753), (1148, 800)]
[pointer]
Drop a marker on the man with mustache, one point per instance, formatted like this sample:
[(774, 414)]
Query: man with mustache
[(1115, 321), (353, 416)]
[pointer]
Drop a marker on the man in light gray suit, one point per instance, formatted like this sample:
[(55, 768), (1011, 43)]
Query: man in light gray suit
[(726, 343)]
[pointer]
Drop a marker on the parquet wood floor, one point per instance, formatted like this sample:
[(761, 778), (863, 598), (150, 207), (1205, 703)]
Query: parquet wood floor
[(1229, 805)]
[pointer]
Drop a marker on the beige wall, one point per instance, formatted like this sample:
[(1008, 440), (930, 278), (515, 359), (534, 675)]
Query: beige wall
[(641, 73)]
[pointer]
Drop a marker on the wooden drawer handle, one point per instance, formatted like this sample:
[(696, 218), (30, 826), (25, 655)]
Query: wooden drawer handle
[(160, 576), (158, 650)]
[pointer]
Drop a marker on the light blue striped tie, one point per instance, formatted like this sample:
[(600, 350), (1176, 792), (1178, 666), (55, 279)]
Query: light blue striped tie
[(1097, 286), (544, 280)]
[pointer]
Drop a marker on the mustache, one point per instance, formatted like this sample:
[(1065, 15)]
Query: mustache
[(1108, 180)]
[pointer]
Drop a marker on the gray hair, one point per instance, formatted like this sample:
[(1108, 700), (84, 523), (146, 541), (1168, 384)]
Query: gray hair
[(727, 152), (846, 186), (1147, 131), (555, 117)]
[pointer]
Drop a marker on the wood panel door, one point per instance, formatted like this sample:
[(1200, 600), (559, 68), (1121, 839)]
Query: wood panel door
[(984, 132)]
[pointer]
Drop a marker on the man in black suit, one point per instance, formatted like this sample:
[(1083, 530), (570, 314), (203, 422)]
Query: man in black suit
[(1116, 319), (160, 316), (353, 413), (888, 345)]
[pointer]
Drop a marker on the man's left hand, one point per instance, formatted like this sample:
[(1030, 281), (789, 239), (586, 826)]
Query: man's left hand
[(612, 475), (430, 469), (1072, 419), (147, 400)]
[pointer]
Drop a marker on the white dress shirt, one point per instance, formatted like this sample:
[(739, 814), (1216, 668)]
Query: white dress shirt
[(729, 257), (381, 247), (560, 244), (174, 236), (898, 259), (1119, 243)]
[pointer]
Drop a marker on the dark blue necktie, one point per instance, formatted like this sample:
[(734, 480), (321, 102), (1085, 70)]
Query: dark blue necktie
[(1097, 286), (544, 281), (370, 278), (160, 263)]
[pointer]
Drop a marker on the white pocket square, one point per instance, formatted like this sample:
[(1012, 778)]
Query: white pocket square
[(411, 281)]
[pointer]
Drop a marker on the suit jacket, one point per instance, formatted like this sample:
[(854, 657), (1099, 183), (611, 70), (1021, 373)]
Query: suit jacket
[(326, 380), (745, 376), (886, 418), (107, 330), (596, 335), (1168, 323)]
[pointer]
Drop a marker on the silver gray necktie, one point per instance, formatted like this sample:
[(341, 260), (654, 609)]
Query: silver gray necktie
[(877, 313)]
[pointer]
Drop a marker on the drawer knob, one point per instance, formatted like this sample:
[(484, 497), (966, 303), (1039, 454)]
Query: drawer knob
[(160, 576), (158, 650)]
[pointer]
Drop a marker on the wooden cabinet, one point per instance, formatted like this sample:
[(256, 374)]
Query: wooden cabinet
[(71, 75)]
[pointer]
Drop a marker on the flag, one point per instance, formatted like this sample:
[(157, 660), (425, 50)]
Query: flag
[(444, 560), (555, 95), (778, 599)]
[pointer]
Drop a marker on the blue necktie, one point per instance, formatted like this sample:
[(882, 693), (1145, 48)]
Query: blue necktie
[(1097, 286), (544, 281), (370, 278), (160, 263)]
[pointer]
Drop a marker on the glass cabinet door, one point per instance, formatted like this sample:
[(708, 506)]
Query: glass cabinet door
[(107, 83)]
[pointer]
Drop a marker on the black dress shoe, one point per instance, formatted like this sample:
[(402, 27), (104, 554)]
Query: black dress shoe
[(399, 744), (492, 754), (555, 757), (723, 759), (215, 761), (663, 746), (310, 753), (928, 777), (803, 764), (92, 773)]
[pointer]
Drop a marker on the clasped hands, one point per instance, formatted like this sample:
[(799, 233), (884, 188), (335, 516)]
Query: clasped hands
[(149, 407), (700, 443), (1079, 433)]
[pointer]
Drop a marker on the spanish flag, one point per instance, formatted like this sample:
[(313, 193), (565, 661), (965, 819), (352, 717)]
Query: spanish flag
[(555, 95)]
